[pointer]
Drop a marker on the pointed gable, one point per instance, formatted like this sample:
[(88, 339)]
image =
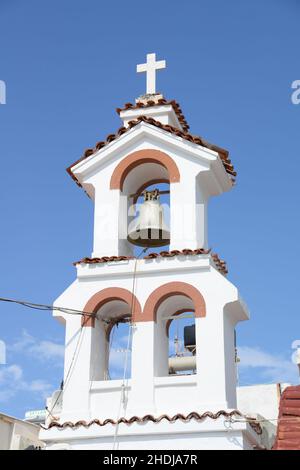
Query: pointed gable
[(223, 154)]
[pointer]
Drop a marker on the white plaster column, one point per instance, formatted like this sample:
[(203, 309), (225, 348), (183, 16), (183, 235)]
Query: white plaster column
[(161, 349), (211, 379), (124, 247), (230, 364), (110, 223), (98, 361), (84, 361), (106, 215), (201, 217), (216, 375), (142, 369), (188, 207)]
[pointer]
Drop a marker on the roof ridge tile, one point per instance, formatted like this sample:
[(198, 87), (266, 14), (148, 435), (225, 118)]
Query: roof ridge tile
[(149, 417)]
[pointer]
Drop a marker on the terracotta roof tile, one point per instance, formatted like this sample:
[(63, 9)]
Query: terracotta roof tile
[(172, 253), (146, 418), (288, 430), (160, 102), (103, 259), (220, 264), (223, 154)]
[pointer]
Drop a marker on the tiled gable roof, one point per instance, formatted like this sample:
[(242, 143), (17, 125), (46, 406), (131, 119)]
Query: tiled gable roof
[(223, 154), (160, 102)]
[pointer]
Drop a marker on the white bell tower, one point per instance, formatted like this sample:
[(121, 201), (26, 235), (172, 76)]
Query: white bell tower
[(187, 401)]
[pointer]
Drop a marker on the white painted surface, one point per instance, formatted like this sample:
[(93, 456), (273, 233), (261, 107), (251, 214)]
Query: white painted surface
[(260, 399), (215, 342), (150, 390), (16, 434), (202, 176), (209, 434), (262, 402), (164, 114)]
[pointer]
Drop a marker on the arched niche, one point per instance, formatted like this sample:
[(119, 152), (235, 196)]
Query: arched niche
[(140, 170), (170, 300), (110, 306)]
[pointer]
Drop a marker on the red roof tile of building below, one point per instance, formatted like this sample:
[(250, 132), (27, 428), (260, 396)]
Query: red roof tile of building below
[(160, 102), (220, 264), (223, 154), (288, 429)]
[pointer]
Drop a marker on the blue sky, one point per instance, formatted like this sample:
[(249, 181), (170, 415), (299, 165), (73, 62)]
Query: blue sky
[(67, 66)]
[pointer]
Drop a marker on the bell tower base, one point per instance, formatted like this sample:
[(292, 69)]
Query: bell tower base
[(209, 434)]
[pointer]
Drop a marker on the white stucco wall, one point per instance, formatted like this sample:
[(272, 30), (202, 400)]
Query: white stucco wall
[(16, 434), (202, 175), (215, 377), (262, 401), (209, 434), (150, 390)]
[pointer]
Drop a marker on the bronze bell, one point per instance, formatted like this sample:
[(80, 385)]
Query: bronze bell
[(150, 229)]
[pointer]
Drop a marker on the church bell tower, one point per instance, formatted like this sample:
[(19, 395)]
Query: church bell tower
[(151, 264)]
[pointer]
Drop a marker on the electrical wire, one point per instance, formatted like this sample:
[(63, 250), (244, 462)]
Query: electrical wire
[(68, 374), (264, 420), (123, 398), (71, 311), (228, 422), (35, 306), (66, 310)]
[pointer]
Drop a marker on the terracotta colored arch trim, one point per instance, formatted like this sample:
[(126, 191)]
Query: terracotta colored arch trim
[(107, 295), (149, 183), (168, 290), (179, 312), (143, 156)]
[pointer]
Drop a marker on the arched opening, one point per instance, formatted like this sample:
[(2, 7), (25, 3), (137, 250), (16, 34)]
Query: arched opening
[(112, 322), (114, 308), (181, 331), (172, 302), (172, 356), (119, 354), (144, 178)]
